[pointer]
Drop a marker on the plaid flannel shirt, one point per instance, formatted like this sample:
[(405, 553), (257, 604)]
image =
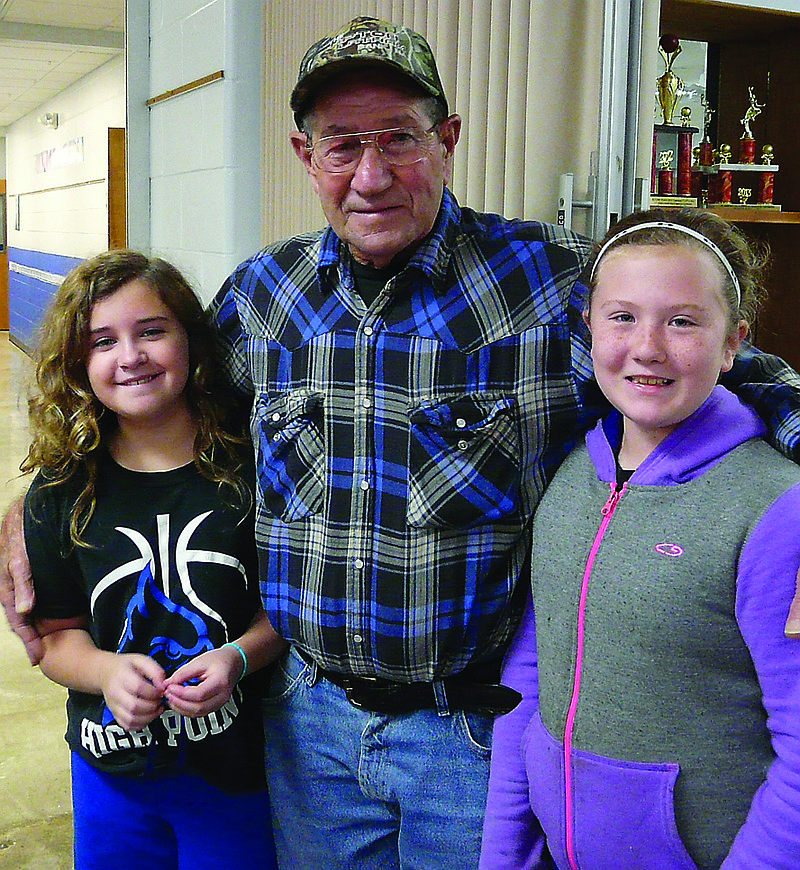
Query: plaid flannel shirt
[(401, 448)]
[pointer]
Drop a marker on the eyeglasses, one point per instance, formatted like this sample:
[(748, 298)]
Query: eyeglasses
[(400, 146)]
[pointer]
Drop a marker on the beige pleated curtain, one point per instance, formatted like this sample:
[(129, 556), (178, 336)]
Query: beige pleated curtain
[(523, 74)]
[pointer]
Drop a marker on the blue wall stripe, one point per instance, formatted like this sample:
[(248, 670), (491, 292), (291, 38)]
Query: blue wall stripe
[(33, 278)]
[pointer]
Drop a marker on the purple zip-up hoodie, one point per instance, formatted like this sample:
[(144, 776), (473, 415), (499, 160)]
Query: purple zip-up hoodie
[(665, 734)]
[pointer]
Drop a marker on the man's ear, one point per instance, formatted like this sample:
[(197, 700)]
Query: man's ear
[(299, 143), (449, 133)]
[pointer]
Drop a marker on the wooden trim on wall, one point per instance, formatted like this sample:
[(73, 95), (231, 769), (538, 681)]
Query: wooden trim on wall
[(189, 86), (117, 189)]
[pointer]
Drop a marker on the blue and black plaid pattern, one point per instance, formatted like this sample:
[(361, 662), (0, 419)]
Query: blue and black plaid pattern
[(402, 448)]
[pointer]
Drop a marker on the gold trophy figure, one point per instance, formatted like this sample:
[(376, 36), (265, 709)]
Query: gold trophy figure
[(753, 111), (668, 84), (747, 145), (706, 146)]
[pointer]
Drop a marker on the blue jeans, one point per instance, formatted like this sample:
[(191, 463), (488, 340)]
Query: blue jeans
[(169, 821), (352, 789)]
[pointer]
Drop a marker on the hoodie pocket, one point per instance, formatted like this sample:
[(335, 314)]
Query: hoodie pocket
[(464, 462), (623, 811), (290, 453)]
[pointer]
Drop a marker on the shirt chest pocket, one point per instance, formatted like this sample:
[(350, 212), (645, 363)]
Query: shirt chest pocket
[(464, 462), (290, 453)]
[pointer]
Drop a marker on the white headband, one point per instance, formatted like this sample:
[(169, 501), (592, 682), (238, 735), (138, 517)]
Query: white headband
[(651, 225)]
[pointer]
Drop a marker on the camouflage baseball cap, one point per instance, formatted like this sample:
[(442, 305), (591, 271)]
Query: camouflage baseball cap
[(367, 40)]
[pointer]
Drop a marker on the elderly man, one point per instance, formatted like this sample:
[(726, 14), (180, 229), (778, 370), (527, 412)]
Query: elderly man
[(415, 373)]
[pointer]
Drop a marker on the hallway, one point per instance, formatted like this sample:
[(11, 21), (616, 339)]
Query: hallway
[(35, 815)]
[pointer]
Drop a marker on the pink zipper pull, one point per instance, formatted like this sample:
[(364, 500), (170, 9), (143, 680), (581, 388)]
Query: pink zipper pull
[(610, 506)]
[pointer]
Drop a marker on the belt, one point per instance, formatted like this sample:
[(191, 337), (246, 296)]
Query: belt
[(475, 690)]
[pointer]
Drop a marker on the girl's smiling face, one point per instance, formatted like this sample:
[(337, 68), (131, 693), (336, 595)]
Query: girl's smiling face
[(661, 335), (138, 355)]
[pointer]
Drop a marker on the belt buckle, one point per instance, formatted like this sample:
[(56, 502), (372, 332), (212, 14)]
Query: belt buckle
[(371, 698), (352, 686)]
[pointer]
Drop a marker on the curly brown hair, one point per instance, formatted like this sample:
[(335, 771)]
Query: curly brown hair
[(69, 424)]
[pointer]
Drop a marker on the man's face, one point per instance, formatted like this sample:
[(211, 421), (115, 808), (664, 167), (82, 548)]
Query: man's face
[(378, 209)]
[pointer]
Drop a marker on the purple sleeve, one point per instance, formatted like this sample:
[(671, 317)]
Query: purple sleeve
[(770, 836), (512, 837)]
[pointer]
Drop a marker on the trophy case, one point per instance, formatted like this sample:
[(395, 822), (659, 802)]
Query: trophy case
[(752, 58)]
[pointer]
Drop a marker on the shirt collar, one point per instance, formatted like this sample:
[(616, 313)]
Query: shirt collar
[(432, 257)]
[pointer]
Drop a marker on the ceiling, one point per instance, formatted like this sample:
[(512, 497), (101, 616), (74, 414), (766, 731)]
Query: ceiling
[(45, 46)]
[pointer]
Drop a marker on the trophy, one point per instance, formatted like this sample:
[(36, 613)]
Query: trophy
[(668, 84), (724, 185), (665, 177), (766, 179), (747, 145), (685, 153), (706, 146)]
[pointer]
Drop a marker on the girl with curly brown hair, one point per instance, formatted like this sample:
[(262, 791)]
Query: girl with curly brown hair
[(139, 529)]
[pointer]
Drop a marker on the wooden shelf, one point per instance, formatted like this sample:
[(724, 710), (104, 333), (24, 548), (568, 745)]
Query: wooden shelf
[(756, 216)]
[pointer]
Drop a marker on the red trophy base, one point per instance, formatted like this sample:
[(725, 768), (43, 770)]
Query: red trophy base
[(747, 150), (665, 182), (697, 184), (765, 185), (725, 185), (684, 164)]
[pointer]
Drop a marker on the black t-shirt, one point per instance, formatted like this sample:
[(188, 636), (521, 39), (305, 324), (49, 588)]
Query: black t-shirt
[(171, 571)]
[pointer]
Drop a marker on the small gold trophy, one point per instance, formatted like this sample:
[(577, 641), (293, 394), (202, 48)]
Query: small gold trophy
[(666, 182), (668, 84), (706, 146), (747, 144)]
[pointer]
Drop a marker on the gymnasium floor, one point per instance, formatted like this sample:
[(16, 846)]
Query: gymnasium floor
[(35, 814)]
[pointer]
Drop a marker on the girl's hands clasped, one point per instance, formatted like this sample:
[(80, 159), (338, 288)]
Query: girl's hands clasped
[(205, 683), (133, 687)]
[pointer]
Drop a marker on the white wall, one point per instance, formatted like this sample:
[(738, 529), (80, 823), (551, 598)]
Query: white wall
[(205, 144), (65, 210)]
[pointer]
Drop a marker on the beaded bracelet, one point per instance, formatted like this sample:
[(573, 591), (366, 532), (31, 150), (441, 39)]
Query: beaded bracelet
[(244, 658)]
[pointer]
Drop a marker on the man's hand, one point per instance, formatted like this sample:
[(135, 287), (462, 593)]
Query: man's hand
[(16, 585), (792, 628)]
